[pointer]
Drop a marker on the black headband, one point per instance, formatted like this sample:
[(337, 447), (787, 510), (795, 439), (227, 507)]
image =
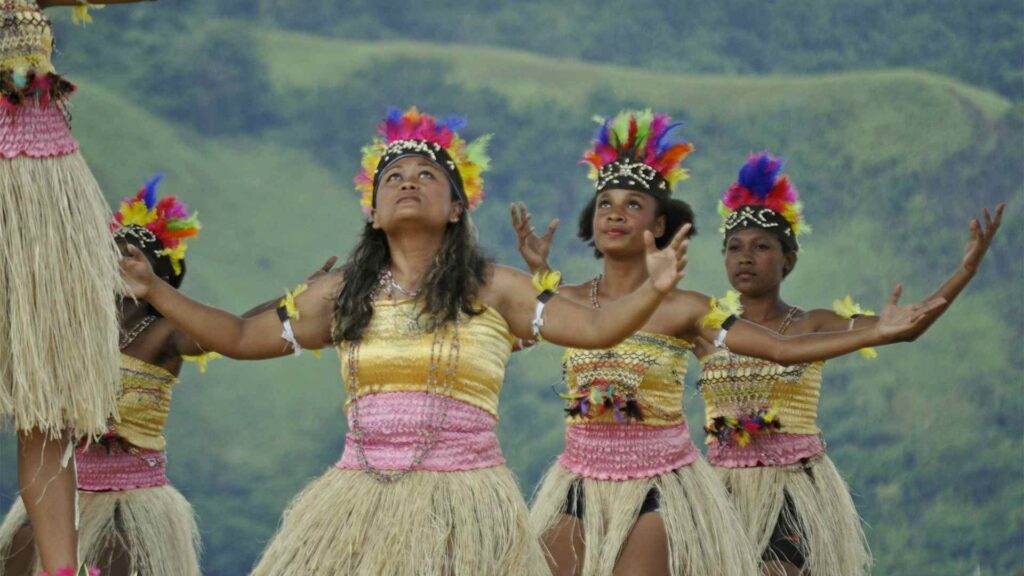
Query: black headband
[(632, 175), (751, 216), (434, 152)]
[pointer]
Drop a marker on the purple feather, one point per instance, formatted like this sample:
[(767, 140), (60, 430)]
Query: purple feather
[(151, 185), (759, 173)]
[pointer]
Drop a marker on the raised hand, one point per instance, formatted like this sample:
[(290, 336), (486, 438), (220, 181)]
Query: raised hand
[(321, 271), (666, 266), (898, 321), (980, 239), (534, 249), (137, 271)]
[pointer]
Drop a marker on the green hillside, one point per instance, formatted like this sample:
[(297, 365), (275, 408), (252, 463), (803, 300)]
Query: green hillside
[(890, 165)]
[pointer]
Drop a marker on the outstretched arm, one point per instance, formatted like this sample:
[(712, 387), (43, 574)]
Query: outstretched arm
[(568, 323), (751, 339), (217, 330), (978, 242)]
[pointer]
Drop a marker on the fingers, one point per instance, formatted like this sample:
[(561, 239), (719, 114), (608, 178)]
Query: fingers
[(551, 230), (649, 241), (679, 241), (329, 264), (514, 211), (894, 299)]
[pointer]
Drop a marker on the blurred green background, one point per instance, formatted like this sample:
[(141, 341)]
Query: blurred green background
[(900, 120)]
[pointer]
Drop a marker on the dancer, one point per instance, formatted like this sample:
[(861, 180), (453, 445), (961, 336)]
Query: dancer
[(761, 416)]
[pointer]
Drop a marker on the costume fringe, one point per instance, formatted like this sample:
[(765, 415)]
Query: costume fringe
[(830, 534), (58, 280), (154, 526), (704, 534), (470, 523)]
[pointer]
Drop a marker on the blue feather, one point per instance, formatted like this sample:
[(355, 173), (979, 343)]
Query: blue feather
[(453, 123), (151, 185), (759, 174), (394, 115)]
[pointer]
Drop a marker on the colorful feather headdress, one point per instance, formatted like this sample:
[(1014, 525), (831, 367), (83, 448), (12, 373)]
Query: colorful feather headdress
[(761, 198), (635, 150), (415, 133), (164, 223)]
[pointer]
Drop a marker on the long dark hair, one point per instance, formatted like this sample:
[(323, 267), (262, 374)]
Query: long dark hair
[(451, 287)]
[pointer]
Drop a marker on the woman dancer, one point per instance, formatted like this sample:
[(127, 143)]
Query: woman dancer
[(762, 434)]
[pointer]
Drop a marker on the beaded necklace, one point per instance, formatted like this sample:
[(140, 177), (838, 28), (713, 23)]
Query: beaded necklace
[(439, 387)]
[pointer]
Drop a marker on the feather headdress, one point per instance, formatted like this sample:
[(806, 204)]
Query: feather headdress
[(151, 220), (635, 150), (762, 198)]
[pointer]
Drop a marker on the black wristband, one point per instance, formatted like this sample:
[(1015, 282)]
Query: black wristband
[(729, 322)]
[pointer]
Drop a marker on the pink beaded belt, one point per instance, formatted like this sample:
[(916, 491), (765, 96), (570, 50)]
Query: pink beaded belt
[(100, 470), (35, 131), (393, 425), (626, 451), (768, 450)]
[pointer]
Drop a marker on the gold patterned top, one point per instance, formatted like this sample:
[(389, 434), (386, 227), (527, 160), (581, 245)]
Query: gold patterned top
[(144, 403), (639, 380), (394, 356), (737, 386), (26, 37)]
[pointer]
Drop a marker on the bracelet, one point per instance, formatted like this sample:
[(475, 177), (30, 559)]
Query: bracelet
[(538, 313), (724, 330)]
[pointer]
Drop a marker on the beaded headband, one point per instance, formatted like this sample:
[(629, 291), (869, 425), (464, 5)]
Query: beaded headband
[(761, 198), (634, 150), (413, 133)]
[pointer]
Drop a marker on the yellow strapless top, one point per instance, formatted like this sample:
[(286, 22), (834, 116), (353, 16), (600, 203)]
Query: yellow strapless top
[(734, 385), (393, 359), (642, 376), (144, 404), (26, 37)]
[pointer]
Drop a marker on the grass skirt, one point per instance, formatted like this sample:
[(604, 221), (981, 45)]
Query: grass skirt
[(58, 280), (830, 534), (468, 523), (153, 530), (704, 534)]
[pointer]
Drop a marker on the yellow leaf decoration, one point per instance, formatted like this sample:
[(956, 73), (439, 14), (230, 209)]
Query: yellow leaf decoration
[(722, 309), (548, 280), (202, 359), (289, 301), (847, 308)]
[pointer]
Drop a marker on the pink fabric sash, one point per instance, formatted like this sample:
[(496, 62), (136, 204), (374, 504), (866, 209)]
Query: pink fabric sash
[(393, 423), (626, 451), (100, 471), (768, 450), (35, 131)]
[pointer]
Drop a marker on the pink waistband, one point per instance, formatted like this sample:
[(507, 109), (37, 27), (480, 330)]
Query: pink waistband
[(626, 451), (768, 450), (100, 470), (393, 425), (35, 131)]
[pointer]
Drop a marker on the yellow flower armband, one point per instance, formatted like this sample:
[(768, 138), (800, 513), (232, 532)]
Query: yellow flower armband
[(288, 310), (547, 281), (847, 308), (723, 314)]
